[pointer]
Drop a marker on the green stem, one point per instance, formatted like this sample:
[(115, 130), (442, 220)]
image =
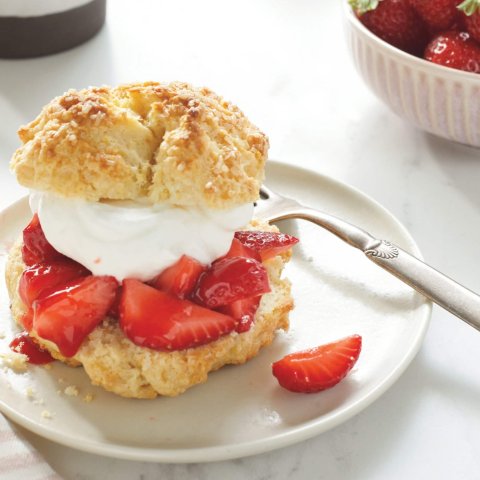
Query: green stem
[(469, 7), (362, 6)]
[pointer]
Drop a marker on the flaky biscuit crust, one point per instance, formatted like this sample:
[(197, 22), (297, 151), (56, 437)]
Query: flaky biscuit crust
[(165, 142), (113, 362)]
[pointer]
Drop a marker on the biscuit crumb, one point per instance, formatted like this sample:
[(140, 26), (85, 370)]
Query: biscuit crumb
[(2, 335), (47, 414), (47, 366), (15, 361), (30, 392), (88, 398), (71, 391)]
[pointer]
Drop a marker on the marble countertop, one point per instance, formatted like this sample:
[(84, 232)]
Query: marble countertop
[(286, 64)]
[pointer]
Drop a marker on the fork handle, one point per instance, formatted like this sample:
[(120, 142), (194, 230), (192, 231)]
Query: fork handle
[(436, 286)]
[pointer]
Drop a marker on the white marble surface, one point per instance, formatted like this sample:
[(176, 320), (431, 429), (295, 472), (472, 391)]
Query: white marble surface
[(286, 65)]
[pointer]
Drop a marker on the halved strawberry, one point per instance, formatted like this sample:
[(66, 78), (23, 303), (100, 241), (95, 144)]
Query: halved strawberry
[(231, 279), (267, 244), (35, 248), (180, 278), (155, 319), (243, 311), (68, 316), (41, 280), (318, 368)]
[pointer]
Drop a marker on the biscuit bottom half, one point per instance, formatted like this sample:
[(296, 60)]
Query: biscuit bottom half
[(115, 363)]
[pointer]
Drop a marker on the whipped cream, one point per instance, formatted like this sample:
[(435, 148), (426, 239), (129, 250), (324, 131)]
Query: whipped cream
[(128, 239)]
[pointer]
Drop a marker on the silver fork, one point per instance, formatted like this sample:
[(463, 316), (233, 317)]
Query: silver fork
[(436, 286)]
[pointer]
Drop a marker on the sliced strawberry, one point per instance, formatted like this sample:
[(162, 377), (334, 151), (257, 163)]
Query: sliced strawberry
[(155, 319), (243, 311), (28, 257), (231, 279), (180, 278), (26, 320), (114, 310), (41, 280), (318, 368), (267, 244), (238, 249), (36, 248), (23, 343), (67, 316)]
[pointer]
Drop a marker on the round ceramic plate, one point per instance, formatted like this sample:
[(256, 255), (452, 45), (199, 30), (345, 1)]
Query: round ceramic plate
[(242, 410)]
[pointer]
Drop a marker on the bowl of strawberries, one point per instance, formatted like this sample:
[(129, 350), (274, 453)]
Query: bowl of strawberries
[(422, 59)]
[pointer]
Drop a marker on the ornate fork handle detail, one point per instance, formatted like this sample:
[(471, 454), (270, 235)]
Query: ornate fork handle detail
[(383, 250)]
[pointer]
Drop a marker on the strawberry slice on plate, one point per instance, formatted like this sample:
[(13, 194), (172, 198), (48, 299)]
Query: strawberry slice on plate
[(68, 316), (267, 244), (41, 280), (231, 279), (36, 248), (318, 368), (180, 278), (156, 319)]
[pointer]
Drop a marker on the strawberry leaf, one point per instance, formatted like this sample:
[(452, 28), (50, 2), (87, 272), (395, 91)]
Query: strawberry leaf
[(363, 6), (469, 7)]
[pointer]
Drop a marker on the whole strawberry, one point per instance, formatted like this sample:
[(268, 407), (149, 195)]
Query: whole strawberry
[(471, 8), (437, 14), (455, 50), (394, 21)]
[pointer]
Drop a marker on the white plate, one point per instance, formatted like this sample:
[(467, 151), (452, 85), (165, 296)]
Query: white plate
[(241, 410)]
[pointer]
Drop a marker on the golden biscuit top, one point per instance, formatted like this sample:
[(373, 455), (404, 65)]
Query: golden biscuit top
[(165, 142)]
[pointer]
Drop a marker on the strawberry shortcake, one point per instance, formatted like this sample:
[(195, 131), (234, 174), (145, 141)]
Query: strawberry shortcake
[(142, 261)]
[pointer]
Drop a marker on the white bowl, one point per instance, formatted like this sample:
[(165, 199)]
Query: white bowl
[(440, 100)]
